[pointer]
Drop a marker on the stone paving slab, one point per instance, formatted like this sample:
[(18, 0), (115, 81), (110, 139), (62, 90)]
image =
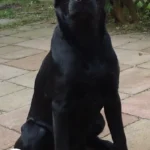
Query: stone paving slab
[(26, 80), (136, 35), (145, 65), (3, 60), (137, 135), (11, 40), (7, 138), (123, 95), (20, 54), (11, 49), (30, 63), (16, 100), (7, 72), (14, 119), (35, 33), (118, 40), (134, 80), (138, 105), (124, 67), (7, 88), (40, 43), (132, 58), (8, 31), (42, 25), (140, 45), (1, 45), (146, 50), (127, 119), (25, 28)]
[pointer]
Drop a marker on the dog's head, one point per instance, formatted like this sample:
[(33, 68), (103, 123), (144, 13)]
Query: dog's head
[(33, 137), (79, 10)]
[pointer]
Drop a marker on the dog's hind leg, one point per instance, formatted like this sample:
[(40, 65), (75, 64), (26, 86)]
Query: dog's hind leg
[(18, 144), (99, 144), (93, 141), (97, 127)]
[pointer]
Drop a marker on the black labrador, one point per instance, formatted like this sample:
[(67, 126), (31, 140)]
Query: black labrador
[(78, 77)]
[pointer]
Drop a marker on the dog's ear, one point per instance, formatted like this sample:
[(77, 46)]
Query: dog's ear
[(18, 144), (56, 3), (61, 5)]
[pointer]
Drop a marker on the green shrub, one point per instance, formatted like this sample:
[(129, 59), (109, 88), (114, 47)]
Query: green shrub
[(108, 6), (143, 7)]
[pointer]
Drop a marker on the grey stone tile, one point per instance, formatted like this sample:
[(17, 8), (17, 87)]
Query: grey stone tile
[(16, 100), (7, 88), (137, 135), (7, 72), (25, 80)]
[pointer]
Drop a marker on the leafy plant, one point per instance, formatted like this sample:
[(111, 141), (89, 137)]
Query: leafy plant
[(143, 5), (143, 9), (108, 6)]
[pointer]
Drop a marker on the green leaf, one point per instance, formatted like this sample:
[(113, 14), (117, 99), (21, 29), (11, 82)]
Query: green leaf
[(148, 6), (140, 4), (108, 7)]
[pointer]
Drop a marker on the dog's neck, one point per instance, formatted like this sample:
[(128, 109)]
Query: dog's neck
[(81, 34), (85, 33)]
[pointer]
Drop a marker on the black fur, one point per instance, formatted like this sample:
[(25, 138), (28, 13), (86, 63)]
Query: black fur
[(78, 77)]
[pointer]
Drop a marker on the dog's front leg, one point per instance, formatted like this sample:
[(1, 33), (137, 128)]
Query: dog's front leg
[(60, 125), (114, 118), (69, 125)]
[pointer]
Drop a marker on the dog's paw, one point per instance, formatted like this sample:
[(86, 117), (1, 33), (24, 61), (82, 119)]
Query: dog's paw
[(108, 145), (15, 149)]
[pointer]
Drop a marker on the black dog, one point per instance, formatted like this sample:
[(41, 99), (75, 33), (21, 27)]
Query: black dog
[(78, 77)]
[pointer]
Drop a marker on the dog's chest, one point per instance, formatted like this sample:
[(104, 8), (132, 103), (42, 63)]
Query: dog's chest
[(95, 74), (93, 82)]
